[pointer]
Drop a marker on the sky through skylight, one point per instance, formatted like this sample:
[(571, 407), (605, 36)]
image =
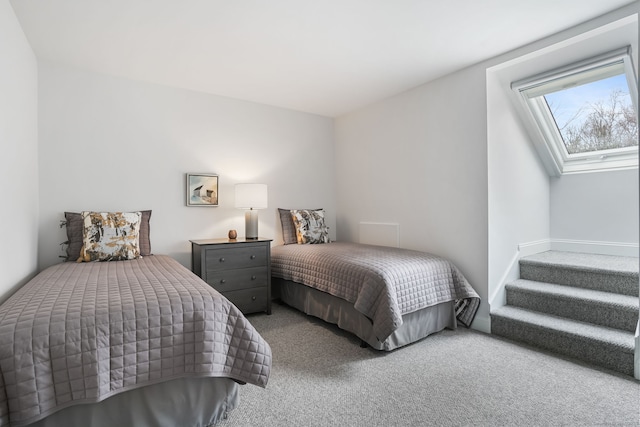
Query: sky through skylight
[(595, 116)]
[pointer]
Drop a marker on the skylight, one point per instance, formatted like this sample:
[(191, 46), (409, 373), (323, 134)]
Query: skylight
[(586, 114)]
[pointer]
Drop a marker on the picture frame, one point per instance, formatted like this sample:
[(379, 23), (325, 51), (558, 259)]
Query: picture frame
[(202, 189)]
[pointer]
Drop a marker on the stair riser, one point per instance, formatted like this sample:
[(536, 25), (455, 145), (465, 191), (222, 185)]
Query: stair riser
[(580, 348), (584, 311), (625, 285)]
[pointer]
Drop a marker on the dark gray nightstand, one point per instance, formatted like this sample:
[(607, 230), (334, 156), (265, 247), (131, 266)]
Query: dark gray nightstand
[(239, 269)]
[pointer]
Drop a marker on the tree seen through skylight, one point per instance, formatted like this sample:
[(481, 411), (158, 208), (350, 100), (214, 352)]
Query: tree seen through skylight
[(595, 116)]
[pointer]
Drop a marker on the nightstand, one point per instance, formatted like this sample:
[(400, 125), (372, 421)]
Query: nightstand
[(239, 269)]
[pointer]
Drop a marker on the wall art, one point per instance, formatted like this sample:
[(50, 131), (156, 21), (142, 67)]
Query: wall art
[(202, 189)]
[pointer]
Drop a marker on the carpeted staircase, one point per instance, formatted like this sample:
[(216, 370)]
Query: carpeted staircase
[(583, 306)]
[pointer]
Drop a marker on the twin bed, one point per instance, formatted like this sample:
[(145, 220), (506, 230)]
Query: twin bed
[(145, 341), (388, 297), (136, 342)]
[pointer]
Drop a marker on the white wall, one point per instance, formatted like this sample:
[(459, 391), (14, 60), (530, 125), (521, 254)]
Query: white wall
[(584, 212), (419, 159), (518, 188), (452, 163), (596, 207), (113, 144), (19, 158)]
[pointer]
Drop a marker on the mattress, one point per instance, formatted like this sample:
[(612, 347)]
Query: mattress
[(83, 332)]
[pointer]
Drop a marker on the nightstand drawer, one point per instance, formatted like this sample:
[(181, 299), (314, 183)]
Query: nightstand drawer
[(238, 269), (242, 278), (249, 300), (235, 257)]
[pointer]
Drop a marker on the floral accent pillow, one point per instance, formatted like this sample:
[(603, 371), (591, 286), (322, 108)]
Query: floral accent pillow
[(75, 239), (289, 235), (110, 236), (310, 226)]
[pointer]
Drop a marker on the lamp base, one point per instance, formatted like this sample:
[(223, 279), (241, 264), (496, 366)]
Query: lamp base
[(251, 224)]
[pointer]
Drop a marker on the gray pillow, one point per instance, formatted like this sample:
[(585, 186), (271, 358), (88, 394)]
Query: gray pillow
[(75, 238)]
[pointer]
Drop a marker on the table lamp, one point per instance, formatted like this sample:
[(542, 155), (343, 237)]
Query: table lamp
[(251, 197)]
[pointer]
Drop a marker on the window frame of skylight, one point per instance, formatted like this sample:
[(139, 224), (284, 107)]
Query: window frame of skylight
[(532, 91)]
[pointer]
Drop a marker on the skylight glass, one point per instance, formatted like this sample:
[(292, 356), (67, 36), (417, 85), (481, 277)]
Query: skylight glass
[(586, 114), (595, 116)]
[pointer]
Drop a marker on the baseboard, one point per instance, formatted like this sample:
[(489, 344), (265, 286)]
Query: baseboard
[(535, 247), (482, 324), (595, 247), (498, 297)]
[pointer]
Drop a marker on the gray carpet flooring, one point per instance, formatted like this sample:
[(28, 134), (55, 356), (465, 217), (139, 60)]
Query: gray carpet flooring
[(322, 377), (592, 262), (583, 306)]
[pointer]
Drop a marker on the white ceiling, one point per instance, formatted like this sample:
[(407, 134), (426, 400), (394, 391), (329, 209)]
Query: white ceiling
[(326, 57)]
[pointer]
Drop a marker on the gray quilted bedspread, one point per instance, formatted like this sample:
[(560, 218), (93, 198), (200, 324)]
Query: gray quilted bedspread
[(383, 283), (80, 333)]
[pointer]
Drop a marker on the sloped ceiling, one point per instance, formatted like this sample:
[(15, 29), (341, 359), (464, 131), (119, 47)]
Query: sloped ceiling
[(325, 57)]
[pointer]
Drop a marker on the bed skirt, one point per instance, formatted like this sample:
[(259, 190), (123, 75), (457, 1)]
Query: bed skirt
[(179, 402), (415, 326)]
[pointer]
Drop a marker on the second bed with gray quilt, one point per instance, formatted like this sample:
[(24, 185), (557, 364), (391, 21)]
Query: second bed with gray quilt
[(388, 297)]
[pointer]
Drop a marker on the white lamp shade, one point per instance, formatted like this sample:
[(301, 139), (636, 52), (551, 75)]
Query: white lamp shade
[(251, 196)]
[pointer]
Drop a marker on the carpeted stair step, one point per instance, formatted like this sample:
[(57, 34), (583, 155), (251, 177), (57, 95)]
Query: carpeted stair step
[(585, 305), (598, 272), (594, 344)]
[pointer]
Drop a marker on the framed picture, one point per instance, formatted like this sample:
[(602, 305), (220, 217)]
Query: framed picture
[(202, 189)]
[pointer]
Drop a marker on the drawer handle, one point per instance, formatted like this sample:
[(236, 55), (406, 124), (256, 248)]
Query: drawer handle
[(223, 281), (253, 298), (253, 277), (221, 259), (253, 257)]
